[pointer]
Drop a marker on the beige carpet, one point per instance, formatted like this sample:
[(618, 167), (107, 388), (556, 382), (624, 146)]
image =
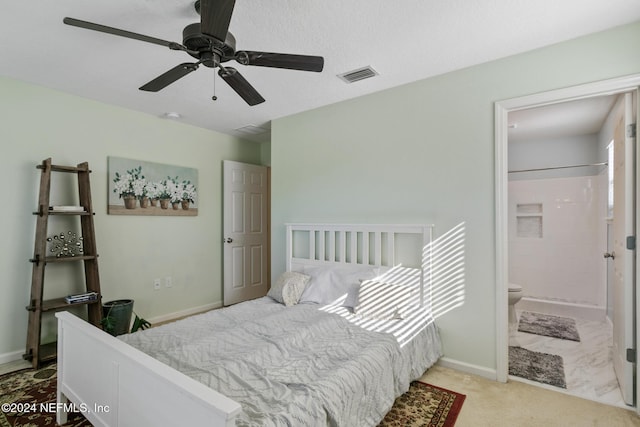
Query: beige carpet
[(516, 404)]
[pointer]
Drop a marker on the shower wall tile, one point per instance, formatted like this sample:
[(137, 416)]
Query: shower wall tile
[(566, 262)]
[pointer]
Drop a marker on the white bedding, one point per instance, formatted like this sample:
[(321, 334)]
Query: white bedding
[(304, 365)]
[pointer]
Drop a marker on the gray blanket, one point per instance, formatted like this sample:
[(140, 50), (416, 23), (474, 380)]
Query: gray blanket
[(294, 366)]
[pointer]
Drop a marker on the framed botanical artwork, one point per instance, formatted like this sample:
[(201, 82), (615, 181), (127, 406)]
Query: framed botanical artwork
[(137, 187)]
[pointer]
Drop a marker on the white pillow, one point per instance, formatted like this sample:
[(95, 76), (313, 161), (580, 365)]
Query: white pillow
[(379, 300), (288, 288), (336, 284)]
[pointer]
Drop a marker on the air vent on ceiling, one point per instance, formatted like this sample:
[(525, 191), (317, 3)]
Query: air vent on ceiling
[(359, 74), (251, 130)]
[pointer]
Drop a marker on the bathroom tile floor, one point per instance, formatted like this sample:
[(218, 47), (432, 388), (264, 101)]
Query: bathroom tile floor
[(588, 364)]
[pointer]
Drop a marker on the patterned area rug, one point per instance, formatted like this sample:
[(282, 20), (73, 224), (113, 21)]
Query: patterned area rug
[(425, 405), (28, 399), (549, 326), (539, 367)]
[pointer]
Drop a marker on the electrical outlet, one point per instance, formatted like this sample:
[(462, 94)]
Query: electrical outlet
[(168, 282), (156, 284)]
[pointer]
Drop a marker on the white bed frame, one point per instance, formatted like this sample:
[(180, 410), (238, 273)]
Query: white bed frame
[(114, 384), (359, 245)]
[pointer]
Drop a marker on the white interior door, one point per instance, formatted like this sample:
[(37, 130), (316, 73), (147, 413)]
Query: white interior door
[(624, 261), (245, 236)]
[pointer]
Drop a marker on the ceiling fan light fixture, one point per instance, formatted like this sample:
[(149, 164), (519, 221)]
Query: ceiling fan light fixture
[(358, 74)]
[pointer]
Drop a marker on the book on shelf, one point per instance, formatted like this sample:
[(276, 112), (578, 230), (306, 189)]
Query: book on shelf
[(66, 208), (84, 297)]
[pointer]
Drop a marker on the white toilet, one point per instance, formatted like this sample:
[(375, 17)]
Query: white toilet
[(515, 294)]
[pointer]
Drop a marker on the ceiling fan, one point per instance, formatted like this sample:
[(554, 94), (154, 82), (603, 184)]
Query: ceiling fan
[(211, 43)]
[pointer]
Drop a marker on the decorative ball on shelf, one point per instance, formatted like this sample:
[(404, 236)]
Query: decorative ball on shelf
[(65, 245)]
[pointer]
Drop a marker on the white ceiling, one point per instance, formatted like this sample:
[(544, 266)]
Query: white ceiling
[(403, 41), (572, 118)]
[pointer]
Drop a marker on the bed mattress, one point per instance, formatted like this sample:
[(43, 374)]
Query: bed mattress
[(305, 365)]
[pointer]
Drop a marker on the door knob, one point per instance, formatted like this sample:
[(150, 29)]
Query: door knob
[(611, 255), (228, 240)]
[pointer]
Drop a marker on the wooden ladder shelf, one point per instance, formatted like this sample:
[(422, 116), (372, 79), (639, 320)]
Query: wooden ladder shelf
[(37, 352)]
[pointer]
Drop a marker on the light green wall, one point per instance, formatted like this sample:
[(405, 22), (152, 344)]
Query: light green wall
[(37, 123), (424, 152)]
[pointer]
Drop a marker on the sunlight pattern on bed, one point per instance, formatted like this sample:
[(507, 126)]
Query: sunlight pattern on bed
[(390, 303)]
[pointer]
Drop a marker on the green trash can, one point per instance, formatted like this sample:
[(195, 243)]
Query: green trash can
[(119, 314)]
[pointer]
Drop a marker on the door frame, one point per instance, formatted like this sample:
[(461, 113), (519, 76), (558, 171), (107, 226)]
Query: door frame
[(501, 110)]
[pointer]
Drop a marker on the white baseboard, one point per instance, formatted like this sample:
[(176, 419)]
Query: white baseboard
[(562, 308), (183, 313), (480, 371), (11, 356)]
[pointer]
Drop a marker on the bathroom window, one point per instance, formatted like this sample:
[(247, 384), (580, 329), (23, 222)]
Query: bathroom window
[(529, 220)]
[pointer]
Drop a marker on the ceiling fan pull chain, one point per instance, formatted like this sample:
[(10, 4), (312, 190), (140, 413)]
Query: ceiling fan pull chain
[(214, 97)]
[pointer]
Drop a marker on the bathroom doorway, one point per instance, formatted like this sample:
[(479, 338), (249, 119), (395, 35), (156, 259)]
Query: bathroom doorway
[(558, 196), (586, 177)]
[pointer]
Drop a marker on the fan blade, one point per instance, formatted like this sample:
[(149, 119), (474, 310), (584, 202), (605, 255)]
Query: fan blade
[(281, 60), (215, 16), (169, 77), (240, 85), (122, 33)]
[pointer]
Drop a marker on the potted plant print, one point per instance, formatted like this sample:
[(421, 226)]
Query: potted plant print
[(164, 194), (188, 194), (173, 191), (154, 190), (130, 187)]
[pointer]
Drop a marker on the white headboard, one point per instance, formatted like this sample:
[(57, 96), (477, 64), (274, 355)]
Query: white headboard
[(361, 244)]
